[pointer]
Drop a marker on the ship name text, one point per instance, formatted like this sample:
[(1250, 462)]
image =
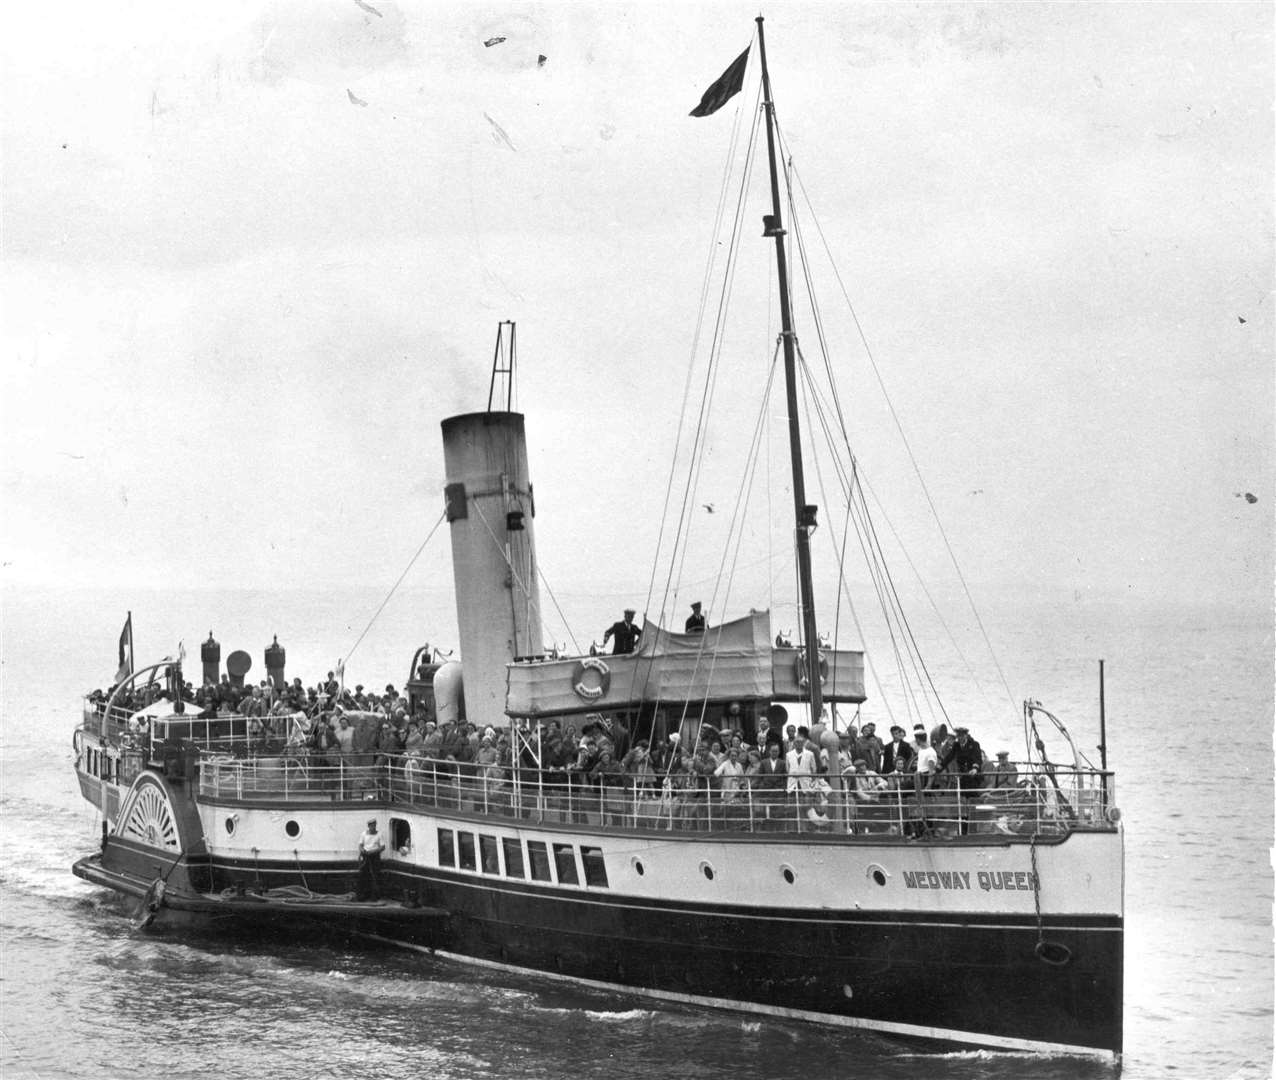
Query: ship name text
[(988, 880)]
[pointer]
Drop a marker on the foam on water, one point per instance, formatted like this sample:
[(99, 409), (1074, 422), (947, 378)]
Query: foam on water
[(619, 1017)]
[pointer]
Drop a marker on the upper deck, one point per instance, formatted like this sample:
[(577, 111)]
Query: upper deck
[(1040, 803), (734, 661), (217, 755)]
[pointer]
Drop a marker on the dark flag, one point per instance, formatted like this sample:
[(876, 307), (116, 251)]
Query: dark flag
[(727, 86), (126, 650)]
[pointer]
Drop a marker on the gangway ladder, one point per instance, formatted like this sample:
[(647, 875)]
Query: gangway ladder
[(503, 364)]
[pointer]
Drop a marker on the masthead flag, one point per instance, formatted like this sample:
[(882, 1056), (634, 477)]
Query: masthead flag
[(724, 89), (126, 650)]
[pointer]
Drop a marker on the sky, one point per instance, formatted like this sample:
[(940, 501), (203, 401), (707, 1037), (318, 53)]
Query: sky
[(254, 253)]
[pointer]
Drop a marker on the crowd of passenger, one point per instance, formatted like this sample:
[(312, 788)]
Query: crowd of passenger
[(289, 715), (783, 770)]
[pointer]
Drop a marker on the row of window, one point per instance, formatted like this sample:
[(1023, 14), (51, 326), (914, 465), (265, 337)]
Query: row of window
[(120, 770), (542, 862)]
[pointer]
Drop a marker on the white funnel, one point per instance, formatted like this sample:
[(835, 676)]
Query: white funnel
[(489, 506)]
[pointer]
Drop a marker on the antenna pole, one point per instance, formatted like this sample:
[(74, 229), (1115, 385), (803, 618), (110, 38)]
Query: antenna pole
[(804, 516), (1103, 735), (502, 366)]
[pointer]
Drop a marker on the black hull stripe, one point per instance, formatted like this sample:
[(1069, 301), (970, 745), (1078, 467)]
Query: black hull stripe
[(770, 1011), (911, 974)]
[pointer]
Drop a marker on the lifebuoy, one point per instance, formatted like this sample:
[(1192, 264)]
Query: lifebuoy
[(799, 669), (595, 687)]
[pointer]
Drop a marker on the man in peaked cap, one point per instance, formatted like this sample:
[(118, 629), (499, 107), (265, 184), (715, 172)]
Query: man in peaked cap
[(967, 755), (695, 621), (968, 761), (625, 633), (1004, 773)]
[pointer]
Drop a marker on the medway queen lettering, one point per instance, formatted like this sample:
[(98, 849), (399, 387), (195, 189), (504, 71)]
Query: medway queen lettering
[(988, 880)]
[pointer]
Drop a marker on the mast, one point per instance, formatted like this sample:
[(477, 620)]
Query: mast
[(804, 515), (1103, 735)]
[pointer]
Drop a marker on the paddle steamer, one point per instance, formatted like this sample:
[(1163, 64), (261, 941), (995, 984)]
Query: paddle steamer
[(955, 914)]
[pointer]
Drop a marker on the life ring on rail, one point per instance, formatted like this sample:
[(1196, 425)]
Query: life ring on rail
[(591, 688), (799, 669)]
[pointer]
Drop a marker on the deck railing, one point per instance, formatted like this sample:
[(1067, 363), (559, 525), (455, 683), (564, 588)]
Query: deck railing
[(1041, 801)]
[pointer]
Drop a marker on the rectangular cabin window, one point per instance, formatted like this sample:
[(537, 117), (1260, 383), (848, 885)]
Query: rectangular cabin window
[(132, 765), (447, 848), (565, 861), (595, 868), (513, 857), (466, 840), (538, 856), (400, 835), (491, 860)]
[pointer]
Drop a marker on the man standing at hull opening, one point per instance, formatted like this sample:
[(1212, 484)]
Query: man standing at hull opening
[(370, 847)]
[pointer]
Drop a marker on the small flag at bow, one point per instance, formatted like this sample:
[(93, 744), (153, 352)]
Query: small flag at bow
[(724, 89), (126, 650)]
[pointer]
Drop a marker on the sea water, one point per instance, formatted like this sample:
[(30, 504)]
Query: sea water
[(1189, 709)]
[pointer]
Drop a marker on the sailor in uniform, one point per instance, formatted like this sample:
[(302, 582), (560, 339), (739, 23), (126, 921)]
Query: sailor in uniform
[(625, 633)]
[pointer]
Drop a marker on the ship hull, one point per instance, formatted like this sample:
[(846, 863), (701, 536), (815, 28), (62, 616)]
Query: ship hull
[(977, 980), (891, 972)]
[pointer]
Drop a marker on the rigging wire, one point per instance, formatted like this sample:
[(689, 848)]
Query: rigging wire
[(502, 550), (554, 600), (888, 596), (866, 485), (393, 587), (908, 448), (696, 456), (875, 570), (695, 347), (837, 407), (683, 526), (713, 366), (861, 482), (843, 589), (727, 565)]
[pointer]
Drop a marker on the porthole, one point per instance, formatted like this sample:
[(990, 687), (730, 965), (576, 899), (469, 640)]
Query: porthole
[(877, 873), (292, 828), (846, 991), (639, 869), (788, 875), (230, 825), (707, 870)]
